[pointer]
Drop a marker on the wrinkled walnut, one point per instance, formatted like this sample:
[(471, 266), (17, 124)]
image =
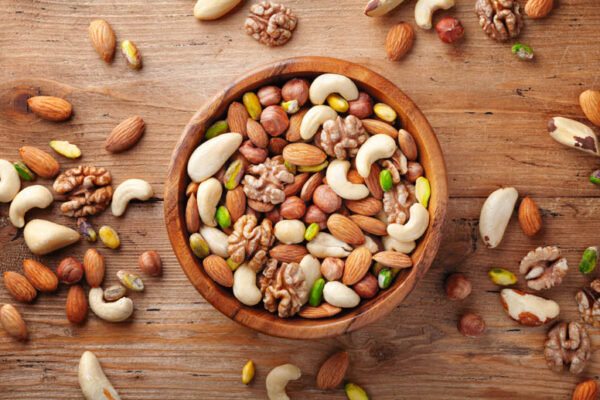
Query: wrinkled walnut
[(268, 187), (499, 19), (397, 165), (270, 23), (397, 202), (542, 267), (341, 138), (282, 288), (567, 344), (588, 301), (250, 240), (88, 190)]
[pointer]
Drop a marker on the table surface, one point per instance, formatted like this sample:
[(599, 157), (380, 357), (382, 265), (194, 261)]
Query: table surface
[(489, 111)]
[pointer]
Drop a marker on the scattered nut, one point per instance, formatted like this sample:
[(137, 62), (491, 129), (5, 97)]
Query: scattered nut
[(458, 287), (568, 344), (495, 214), (528, 309), (471, 325), (131, 54), (114, 293), (69, 271), (449, 29), (530, 217), (109, 237), (150, 263), (399, 41)]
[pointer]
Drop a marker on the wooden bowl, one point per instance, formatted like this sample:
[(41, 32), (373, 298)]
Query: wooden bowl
[(430, 156)]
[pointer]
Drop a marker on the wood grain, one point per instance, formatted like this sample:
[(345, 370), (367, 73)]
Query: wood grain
[(488, 110)]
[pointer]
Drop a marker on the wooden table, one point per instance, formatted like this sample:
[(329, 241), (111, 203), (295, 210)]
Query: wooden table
[(489, 111)]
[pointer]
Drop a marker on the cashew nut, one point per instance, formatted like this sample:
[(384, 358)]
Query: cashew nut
[(326, 245), (127, 191), (424, 10), (326, 84), (28, 198), (213, 9), (43, 237), (337, 179), (290, 231), (216, 240), (278, 378), (10, 183), (313, 119), (311, 267), (377, 8), (244, 286), (414, 228), (495, 214), (115, 311), (375, 148), (339, 295), (210, 156), (94, 384), (208, 197), (391, 244)]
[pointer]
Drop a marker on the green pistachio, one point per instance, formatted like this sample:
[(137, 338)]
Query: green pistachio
[(355, 392), (233, 175), (422, 190), (316, 293), (290, 107), (216, 129), (290, 167), (23, 171), (384, 279), (502, 277), (313, 168), (385, 180), (385, 112), (522, 51), (223, 217), (109, 237), (86, 229), (248, 372), (252, 104), (337, 102), (232, 264), (595, 177), (588, 260), (130, 280), (311, 231), (199, 246)]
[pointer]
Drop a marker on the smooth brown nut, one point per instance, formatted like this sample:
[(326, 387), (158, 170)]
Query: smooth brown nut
[(237, 116), (192, 216), (311, 184), (275, 120), (449, 29), (399, 41), (292, 208), (254, 155), (530, 217), (457, 287), (259, 206), (274, 215), (315, 214), (471, 325), (407, 144), (294, 187), (257, 134), (69, 271), (332, 372), (76, 307), (293, 132), (367, 287), (296, 89), (354, 177), (19, 287), (93, 264), (276, 145), (326, 199), (361, 107), (150, 263), (269, 95), (414, 171), (332, 268)]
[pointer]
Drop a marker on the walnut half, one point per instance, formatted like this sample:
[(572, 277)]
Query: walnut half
[(588, 302), (88, 190), (283, 288), (544, 268), (499, 19), (270, 23), (567, 344)]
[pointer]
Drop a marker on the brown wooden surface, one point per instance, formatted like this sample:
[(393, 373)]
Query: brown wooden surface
[(489, 112)]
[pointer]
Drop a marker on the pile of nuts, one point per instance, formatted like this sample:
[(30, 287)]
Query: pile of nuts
[(307, 197)]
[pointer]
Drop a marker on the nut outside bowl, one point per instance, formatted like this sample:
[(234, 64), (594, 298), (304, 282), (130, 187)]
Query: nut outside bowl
[(257, 318)]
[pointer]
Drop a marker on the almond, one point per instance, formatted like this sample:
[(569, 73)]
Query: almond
[(293, 132), (345, 229), (375, 126), (288, 253), (293, 188), (530, 217), (303, 154), (323, 311), (50, 108), (367, 206), (590, 104), (257, 134), (77, 305), (125, 135), (399, 41), (42, 278), (103, 39), (372, 182), (237, 118), (332, 372), (311, 184), (13, 323), (587, 390), (370, 224), (538, 8), (218, 269), (357, 265), (192, 216), (354, 177), (393, 259), (19, 287), (93, 264), (39, 161), (235, 202)]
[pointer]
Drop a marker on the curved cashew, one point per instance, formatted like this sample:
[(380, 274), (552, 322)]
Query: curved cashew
[(216, 240), (315, 118), (208, 197), (115, 311), (391, 244), (337, 179), (210, 156), (127, 191), (311, 267), (28, 198), (424, 10), (278, 378), (43, 237), (326, 84), (94, 384), (290, 231), (326, 245), (244, 286), (9, 181), (213, 9), (495, 214), (339, 295), (414, 228), (375, 148), (377, 8)]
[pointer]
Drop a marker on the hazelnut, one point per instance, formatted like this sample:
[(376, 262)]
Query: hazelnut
[(361, 107), (292, 208), (276, 145), (471, 325), (449, 29), (254, 155), (150, 263), (275, 120), (315, 214), (296, 89), (457, 287), (274, 215), (367, 287), (326, 199), (269, 95), (332, 268), (69, 271), (414, 171)]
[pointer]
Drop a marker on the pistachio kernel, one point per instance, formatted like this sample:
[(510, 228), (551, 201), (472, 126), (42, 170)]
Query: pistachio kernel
[(595, 177), (198, 245), (385, 112), (316, 293), (223, 217), (131, 54), (384, 278), (337, 102), (502, 277), (109, 237), (355, 392), (86, 229), (114, 293), (248, 372), (23, 171), (233, 174), (522, 51), (589, 259), (313, 168), (130, 280), (252, 104), (65, 148), (311, 231), (232, 264), (422, 190), (216, 129), (290, 107), (385, 180)]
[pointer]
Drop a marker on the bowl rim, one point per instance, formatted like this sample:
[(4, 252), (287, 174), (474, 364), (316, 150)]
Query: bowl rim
[(369, 310)]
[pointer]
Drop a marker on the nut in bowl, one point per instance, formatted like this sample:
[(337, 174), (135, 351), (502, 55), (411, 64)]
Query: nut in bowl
[(274, 248)]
